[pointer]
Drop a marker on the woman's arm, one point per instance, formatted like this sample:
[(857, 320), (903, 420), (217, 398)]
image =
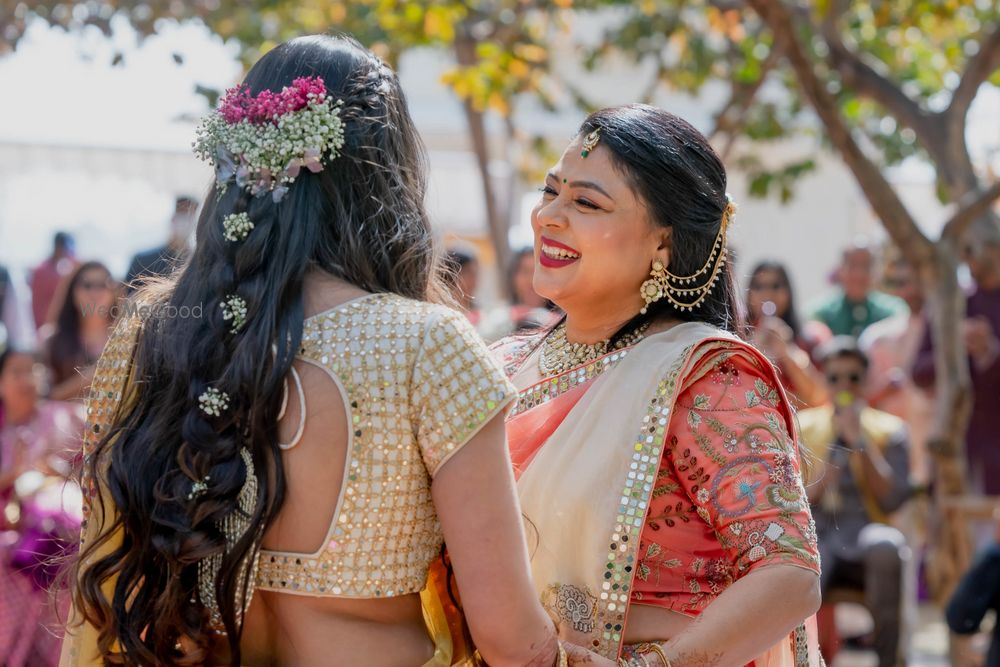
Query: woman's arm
[(476, 501), (783, 594), (732, 428), (802, 375)]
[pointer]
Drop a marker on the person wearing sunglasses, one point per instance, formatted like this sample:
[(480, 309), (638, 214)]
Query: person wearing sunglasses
[(84, 319), (892, 345), (859, 475), (778, 332)]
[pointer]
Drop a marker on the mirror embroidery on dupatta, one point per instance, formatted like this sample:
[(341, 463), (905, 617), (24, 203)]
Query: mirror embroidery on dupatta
[(556, 386)]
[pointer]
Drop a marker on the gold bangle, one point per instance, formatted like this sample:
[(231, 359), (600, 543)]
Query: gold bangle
[(658, 650), (563, 660)]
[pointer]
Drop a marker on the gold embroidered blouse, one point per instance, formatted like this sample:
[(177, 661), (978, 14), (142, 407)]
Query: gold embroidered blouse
[(418, 384)]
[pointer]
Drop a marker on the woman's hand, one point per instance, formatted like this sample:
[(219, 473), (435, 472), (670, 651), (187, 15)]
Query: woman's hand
[(774, 338), (580, 656)]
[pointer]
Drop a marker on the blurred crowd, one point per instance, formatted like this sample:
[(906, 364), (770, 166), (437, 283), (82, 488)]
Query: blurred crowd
[(858, 363)]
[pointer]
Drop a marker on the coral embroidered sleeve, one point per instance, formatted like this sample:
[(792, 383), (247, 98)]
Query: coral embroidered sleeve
[(729, 496)]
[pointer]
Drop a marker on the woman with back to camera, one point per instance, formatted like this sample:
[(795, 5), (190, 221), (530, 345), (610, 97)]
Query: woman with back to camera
[(655, 451), (270, 483)]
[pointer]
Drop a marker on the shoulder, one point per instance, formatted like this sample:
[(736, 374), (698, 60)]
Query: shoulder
[(715, 353), (512, 351), (888, 304), (827, 302), (811, 417), (441, 332), (883, 423), (731, 375)]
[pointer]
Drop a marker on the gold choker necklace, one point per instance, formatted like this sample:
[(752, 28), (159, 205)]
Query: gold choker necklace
[(559, 355)]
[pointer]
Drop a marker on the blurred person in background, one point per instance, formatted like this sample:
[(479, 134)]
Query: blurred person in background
[(855, 304), (977, 594), (528, 310), (161, 261), (38, 441), (892, 345), (33, 432), (981, 328), (47, 277), (858, 477), (779, 334), (16, 326), (462, 265), (84, 319)]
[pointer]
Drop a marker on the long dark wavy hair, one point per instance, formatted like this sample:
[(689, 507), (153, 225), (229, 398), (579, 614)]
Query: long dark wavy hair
[(361, 219), (682, 181), (65, 350)]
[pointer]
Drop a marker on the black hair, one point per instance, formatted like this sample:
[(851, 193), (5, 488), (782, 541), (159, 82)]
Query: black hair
[(360, 219), (682, 181), (790, 316), (841, 347), (65, 350)]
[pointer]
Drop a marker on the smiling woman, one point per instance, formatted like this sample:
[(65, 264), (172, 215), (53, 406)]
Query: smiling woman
[(654, 449)]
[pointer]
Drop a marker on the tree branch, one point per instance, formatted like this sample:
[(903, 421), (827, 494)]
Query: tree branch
[(971, 208), (895, 217), (733, 113), (861, 77), (978, 69)]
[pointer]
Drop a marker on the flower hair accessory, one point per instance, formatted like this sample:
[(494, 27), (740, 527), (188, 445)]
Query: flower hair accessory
[(263, 142), (236, 227), (199, 488), (234, 308), (213, 402)]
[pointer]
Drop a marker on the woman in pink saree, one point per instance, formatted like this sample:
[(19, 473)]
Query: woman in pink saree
[(657, 465)]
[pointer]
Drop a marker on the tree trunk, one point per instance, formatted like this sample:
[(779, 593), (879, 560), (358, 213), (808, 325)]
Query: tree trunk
[(936, 264), (465, 54), (948, 538)]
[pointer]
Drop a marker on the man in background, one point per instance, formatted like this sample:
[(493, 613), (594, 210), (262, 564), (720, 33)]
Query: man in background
[(161, 262), (855, 304), (50, 274), (858, 477)]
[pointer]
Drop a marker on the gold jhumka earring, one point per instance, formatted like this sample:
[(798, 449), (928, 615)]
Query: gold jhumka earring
[(664, 284)]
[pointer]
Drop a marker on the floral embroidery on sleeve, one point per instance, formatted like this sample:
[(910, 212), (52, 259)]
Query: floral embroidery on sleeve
[(729, 495)]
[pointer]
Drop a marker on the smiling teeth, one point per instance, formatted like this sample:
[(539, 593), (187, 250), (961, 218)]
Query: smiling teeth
[(559, 253)]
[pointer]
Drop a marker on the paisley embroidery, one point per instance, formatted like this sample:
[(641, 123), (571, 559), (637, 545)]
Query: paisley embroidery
[(573, 605)]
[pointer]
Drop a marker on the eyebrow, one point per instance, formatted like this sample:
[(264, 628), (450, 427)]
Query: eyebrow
[(585, 184)]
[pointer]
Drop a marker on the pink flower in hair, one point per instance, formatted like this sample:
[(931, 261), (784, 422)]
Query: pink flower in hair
[(233, 106), (263, 141)]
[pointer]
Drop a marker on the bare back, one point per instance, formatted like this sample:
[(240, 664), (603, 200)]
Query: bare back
[(342, 566)]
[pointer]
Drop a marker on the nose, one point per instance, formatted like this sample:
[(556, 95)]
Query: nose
[(549, 214)]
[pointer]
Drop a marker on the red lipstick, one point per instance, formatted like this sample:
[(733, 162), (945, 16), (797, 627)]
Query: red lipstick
[(556, 260)]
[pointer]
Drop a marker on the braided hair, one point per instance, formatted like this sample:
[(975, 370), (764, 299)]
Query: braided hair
[(360, 219)]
